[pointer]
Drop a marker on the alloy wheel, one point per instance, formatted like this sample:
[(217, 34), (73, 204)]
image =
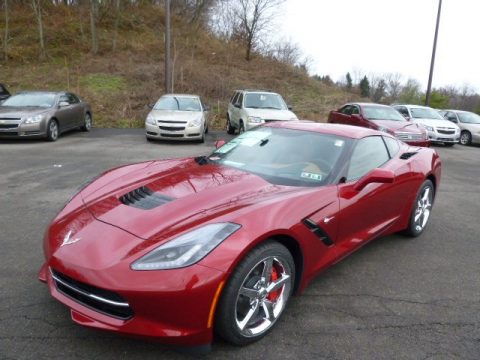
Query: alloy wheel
[(424, 206), (262, 297)]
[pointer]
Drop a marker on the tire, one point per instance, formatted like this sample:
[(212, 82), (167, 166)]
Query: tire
[(241, 129), (241, 316), (52, 130), (87, 123), (421, 209), (230, 128), (206, 130), (465, 138)]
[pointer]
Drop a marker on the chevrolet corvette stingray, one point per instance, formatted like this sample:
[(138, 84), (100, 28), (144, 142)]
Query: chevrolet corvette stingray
[(182, 249)]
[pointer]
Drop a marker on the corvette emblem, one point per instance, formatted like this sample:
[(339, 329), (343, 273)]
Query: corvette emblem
[(67, 240)]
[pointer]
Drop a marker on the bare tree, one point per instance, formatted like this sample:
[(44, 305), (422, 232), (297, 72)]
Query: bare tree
[(115, 26), (394, 85), (5, 36), (93, 27), (286, 52), (37, 9)]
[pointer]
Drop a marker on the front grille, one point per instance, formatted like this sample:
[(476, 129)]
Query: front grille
[(408, 136), (8, 126), (101, 300), (270, 120), (446, 132), (171, 128), (172, 121), (10, 119), (8, 133), (144, 198), (172, 135)]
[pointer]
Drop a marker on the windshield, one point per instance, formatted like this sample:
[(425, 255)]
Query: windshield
[(33, 100), (283, 156), (425, 113), (382, 113), (264, 101), (180, 103), (469, 118)]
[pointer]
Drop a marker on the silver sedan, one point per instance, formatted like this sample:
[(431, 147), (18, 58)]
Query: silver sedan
[(178, 117), (43, 114)]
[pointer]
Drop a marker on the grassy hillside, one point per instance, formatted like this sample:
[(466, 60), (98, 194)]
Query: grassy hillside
[(120, 84)]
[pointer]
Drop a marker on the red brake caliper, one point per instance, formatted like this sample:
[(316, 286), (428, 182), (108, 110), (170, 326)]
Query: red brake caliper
[(274, 294)]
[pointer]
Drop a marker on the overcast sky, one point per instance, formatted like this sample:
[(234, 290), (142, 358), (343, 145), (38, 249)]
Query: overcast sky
[(387, 36)]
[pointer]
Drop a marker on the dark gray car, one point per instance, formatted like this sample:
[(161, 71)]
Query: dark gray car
[(43, 114)]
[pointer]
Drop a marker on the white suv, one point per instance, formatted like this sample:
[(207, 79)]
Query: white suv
[(439, 129), (250, 108)]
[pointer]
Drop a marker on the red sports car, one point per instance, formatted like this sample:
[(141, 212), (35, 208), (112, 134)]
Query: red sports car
[(180, 249), (383, 118)]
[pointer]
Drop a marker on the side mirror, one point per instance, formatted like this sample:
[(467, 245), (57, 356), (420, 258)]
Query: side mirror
[(151, 106), (219, 143), (206, 108), (63, 104), (237, 105), (381, 176), (290, 107)]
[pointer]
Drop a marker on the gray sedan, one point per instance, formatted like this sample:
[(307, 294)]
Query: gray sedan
[(43, 114), (468, 122)]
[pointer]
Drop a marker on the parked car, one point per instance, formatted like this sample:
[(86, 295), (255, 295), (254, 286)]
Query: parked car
[(4, 93), (178, 249), (439, 129), (383, 118), (43, 114), (468, 122), (178, 117), (250, 108)]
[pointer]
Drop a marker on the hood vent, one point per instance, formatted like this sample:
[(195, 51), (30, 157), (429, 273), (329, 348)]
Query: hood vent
[(144, 198), (407, 155)]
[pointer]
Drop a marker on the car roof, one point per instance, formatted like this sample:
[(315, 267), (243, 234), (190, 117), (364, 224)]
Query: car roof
[(366, 104), (182, 95), (42, 92), (353, 132), (414, 106), (257, 91)]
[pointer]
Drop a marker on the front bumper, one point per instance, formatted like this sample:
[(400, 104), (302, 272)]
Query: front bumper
[(436, 137), (173, 306), (180, 132), (15, 129)]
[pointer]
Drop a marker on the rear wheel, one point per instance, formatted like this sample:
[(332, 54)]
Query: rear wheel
[(230, 128), (52, 130), (465, 138), (256, 294), (87, 123), (421, 209)]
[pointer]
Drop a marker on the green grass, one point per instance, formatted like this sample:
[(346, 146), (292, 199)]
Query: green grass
[(103, 83)]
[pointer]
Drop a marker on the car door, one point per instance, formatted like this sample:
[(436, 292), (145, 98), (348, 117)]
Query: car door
[(342, 116), (78, 116), (237, 110), (65, 113), (366, 213), (451, 116), (355, 118)]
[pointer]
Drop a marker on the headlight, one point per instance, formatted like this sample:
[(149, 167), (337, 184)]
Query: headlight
[(186, 249), (255, 119), (195, 122), (429, 128), (151, 120), (33, 119)]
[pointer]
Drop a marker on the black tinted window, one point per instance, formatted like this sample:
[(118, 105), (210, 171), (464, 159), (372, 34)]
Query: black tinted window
[(402, 110), (355, 110), (234, 98), (392, 145), (347, 110), (369, 153), (239, 100)]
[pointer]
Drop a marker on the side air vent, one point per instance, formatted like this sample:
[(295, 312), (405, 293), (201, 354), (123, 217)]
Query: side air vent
[(322, 235), (407, 155), (144, 198)]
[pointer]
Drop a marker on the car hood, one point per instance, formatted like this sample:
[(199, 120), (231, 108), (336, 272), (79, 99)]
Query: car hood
[(435, 122), (19, 112), (190, 194), (271, 114), (404, 126), (175, 115)]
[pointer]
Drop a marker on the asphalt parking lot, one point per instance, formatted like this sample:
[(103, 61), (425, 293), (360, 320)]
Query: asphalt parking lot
[(395, 298)]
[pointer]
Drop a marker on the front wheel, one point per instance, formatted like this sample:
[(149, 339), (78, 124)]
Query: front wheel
[(421, 209), (256, 294), (52, 130), (230, 128), (87, 123), (465, 138)]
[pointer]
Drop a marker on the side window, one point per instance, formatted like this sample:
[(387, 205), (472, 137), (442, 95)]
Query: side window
[(72, 99), (451, 116), (64, 98), (239, 100), (355, 110), (402, 110), (392, 146), (369, 153), (347, 110)]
